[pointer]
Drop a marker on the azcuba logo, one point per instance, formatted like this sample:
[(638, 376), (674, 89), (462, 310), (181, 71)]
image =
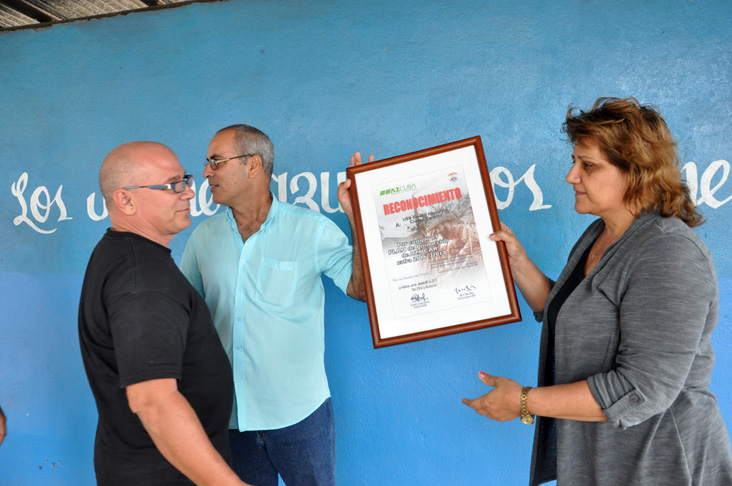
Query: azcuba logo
[(398, 189), (452, 176)]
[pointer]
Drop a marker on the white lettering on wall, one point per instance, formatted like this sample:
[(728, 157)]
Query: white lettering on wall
[(325, 193), (203, 202), (509, 183), (307, 199), (706, 180), (281, 181), (40, 205), (91, 212), (712, 189)]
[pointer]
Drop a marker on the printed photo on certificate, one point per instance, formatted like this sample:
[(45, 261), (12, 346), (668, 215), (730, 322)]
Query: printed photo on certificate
[(423, 221)]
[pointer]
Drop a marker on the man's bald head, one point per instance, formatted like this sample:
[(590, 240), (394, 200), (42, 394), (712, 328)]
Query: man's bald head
[(126, 165)]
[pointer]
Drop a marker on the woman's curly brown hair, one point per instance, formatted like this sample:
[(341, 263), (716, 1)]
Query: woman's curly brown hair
[(636, 139)]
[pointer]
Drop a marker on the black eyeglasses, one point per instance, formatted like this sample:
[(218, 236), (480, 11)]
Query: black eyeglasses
[(177, 186), (214, 163)]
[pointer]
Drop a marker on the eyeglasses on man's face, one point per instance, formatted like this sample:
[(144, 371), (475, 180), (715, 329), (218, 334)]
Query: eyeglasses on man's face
[(177, 186), (214, 163)]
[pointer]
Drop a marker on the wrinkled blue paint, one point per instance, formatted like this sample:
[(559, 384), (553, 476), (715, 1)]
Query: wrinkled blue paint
[(324, 79)]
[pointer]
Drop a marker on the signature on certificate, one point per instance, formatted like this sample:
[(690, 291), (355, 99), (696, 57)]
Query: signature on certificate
[(465, 289)]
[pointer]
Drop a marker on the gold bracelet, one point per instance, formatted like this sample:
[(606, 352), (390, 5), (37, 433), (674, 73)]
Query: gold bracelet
[(526, 417)]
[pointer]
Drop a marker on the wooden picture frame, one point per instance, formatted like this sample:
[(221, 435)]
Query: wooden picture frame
[(422, 225)]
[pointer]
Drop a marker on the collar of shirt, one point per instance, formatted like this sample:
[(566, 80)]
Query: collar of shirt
[(273, 210)]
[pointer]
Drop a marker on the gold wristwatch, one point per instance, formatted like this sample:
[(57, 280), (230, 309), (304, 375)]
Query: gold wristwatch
[(526, 417)]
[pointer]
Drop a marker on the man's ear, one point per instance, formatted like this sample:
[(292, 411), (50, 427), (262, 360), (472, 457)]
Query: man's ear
[(254, 166), (124, 202)]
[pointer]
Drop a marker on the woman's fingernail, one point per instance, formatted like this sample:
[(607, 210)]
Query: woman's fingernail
[(482, 374)]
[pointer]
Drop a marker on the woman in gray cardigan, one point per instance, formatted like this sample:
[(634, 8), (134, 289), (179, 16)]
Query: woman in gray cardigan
[(626, 357)]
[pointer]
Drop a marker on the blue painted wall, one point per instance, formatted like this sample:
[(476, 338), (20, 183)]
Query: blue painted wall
[(324, 79)]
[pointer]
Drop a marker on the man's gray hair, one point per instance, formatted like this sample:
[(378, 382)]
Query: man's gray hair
[(250, 140)]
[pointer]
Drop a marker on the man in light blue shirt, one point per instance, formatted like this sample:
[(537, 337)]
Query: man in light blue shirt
[(258, 265)]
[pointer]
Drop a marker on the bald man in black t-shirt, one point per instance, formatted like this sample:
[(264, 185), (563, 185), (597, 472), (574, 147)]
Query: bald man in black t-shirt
[(160, 377)]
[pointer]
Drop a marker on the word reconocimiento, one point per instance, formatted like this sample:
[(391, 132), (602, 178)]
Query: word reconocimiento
[(422, 201)]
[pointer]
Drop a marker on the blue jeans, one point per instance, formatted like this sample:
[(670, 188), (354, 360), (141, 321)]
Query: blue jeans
[(303, 454)]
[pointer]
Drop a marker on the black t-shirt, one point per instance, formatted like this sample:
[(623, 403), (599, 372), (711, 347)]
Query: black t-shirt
[(140, 320)]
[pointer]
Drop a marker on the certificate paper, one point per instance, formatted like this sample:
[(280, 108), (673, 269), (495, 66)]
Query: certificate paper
[(423, 221), (430, 243)]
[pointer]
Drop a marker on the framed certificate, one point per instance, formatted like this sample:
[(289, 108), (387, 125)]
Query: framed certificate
[(422, 223)]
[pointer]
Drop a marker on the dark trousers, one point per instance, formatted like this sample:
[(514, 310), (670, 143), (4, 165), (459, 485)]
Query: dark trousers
[(303, 453)]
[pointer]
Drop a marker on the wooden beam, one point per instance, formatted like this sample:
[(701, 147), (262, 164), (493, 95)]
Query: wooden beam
[(32, 11)]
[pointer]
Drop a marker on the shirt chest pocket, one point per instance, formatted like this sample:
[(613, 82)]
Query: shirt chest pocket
[(276, 282)]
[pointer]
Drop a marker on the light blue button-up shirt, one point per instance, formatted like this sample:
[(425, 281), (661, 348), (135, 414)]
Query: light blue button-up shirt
[(266, 296)]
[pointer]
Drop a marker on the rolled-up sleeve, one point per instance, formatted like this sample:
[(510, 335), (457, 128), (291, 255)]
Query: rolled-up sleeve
[(664, 312), (334, 254)]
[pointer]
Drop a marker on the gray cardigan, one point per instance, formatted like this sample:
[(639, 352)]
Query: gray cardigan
[(638, 328)]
